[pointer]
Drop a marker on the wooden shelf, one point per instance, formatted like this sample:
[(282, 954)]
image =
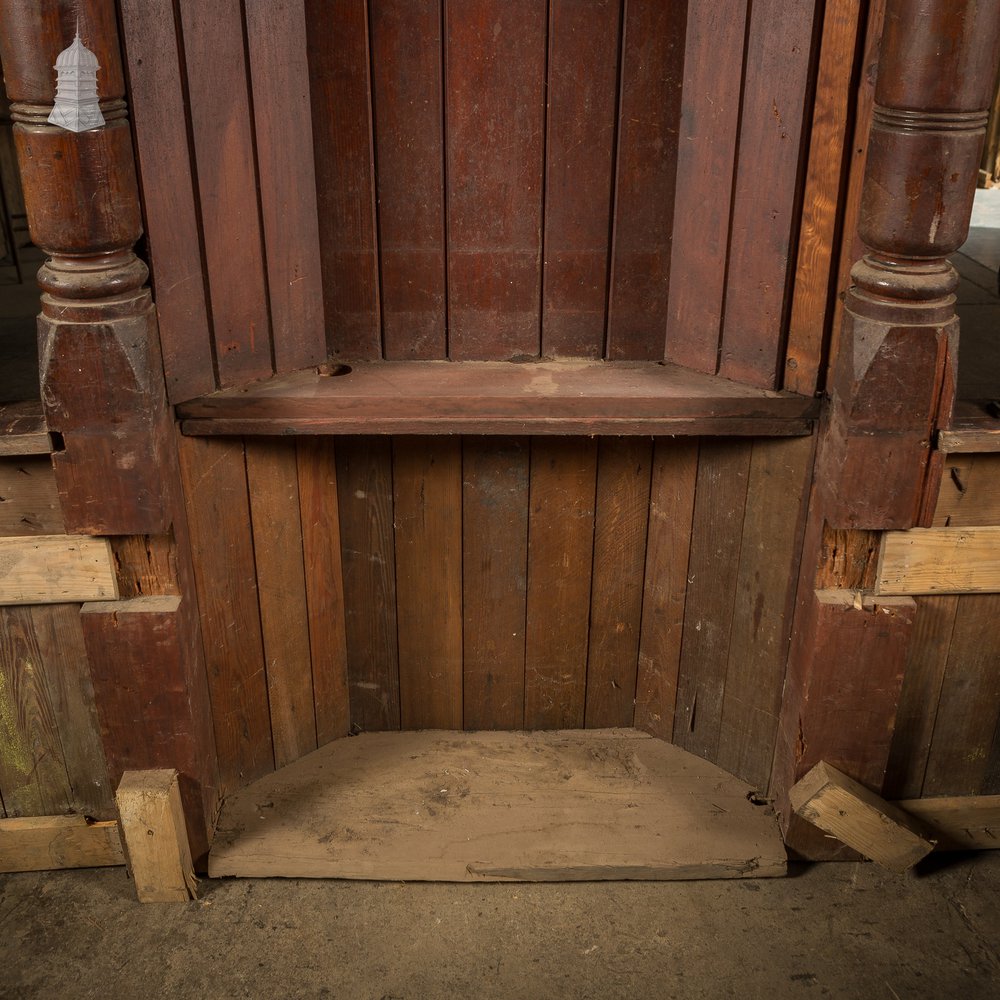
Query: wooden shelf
[(23, 430), (500, 397)]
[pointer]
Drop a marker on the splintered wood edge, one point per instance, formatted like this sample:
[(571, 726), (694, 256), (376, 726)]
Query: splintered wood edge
[(838, 805)]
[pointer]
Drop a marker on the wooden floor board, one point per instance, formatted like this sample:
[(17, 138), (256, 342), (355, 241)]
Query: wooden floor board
[(469, 807)]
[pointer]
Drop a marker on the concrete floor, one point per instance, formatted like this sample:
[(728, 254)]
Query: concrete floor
[(836, 930)]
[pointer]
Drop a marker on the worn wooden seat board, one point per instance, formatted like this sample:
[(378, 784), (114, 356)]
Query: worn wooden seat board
[(498, 806)]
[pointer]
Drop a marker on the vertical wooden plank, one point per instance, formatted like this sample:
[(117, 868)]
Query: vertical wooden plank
[(584, 47), (340, 87), (560, 559), (279, 71), (969, 708), (495, 568), (219, 112), (218, 511), (713, 568), (811, 299), (427, 499), (779, 47), (364, 492), (773, 527), (649, 114), (156, 93), (671, 508), (320, 513), (623, 482), (281, 589), (706, 160), (32, 767), (495, 100), (409, 139), (926, 661)]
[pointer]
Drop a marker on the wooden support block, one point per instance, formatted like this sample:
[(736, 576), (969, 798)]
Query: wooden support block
[(959, 822), (940, 561), (847, 810), (56, 569), (41, 843), (152, 818)]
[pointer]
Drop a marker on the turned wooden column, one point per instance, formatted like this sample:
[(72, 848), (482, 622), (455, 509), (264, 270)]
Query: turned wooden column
[(102, 390), (892, 387)]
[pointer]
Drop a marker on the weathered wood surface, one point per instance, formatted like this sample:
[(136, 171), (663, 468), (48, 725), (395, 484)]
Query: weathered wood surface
[(29, 500), (858, 817), (155, 834), (23, 430), (940, 561), (498, 807), (43, 843), (56, 569), (959, 822), (500, 398)]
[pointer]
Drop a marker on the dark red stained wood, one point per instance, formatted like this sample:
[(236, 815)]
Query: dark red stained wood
[(821, 208), (623, 484), (495, 99), (427, 499), (281, 590), (364, 491), (320, 513), (409, 138), (773, 527), (218, 107), (651, 77), (494, 583), (706, 160), (713, 567), (671, 507), (560, 558), (218, 513), (279, 70), (969, 707), (584, 45), (340, 86), (779, 46), (177, 268)]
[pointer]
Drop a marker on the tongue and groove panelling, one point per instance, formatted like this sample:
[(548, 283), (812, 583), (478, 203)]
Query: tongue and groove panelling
[(473, 179), (487, 583)]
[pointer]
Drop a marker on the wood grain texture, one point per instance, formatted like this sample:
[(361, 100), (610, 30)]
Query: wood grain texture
[(811, 299), (970, 492), (494, 582), (706, 164), (560, 560), (713, 575), (671, 508), (157, 95), (222, 131), (968, 711), (340, 88), (145, 565), (624, 470), (649, 112), (409, 137), (495, 106), (583, 65), (498, 807), (958, 823), (279, 74), (926, 662), (56, 569), (320, 513), (272, 480), (427, 499), (773, 528), (29, 501), (940, 561), (364, 491), (35, 844), (218, 513), (779, 46)]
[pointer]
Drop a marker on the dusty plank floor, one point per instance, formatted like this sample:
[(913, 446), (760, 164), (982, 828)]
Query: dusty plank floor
[(845, 930)]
